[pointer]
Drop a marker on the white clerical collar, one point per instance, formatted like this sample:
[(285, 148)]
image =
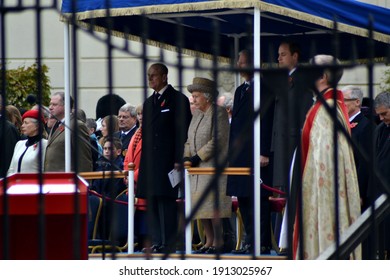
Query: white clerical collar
[(354, 116)]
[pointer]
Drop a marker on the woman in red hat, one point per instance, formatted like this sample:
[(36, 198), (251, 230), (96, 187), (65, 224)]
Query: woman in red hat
[(25, 158)]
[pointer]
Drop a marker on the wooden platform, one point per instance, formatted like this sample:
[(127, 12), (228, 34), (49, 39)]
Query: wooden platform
[(175, 256)]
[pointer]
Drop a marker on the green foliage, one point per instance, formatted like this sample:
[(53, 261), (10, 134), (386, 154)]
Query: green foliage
[(22, 81), (385, 82)]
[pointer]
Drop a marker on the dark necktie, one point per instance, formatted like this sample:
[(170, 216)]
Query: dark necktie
[(56, 125), (244, 90), (290, 81), (156, 97)]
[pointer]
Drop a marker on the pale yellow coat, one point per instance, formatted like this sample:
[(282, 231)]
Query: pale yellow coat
[(201, 135)]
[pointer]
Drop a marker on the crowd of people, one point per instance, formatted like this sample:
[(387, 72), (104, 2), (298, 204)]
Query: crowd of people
[(208, 129)]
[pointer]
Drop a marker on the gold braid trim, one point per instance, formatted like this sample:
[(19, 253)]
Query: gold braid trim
[(167, 8), (226, 4), (323, 22), (212, 5)]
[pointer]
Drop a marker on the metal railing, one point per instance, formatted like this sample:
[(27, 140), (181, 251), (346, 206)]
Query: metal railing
[(344, 245)]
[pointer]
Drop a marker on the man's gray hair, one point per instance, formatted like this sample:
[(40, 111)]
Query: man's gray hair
[(382, 99), (356, 92), (228, 102), (129, 108), (91, 123)]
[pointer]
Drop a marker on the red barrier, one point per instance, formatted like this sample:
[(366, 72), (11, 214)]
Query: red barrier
[(59, 210)]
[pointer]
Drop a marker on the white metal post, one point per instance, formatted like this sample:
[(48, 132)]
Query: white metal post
[(187, 203), (67, 96), (130, 224), (256, 148)]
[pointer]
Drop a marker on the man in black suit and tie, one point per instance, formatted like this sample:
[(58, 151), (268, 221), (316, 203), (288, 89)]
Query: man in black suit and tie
[(166, 117), (290, 112), (292, 104), (127, 121), (361, 136), (241, 155), (360, 130)]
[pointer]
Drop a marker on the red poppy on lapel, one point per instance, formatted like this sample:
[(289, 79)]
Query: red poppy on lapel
[(162, 103), (61, 128), (352, 125)]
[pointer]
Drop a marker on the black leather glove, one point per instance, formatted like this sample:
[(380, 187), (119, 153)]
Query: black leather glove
[(186, 159), (195, 160)]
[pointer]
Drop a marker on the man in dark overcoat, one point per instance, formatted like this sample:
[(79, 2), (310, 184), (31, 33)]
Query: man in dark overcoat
[(166, 117), (382, 156), (241, 155), (293, 100)]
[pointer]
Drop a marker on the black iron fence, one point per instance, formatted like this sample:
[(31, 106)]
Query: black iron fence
[(270, 81)]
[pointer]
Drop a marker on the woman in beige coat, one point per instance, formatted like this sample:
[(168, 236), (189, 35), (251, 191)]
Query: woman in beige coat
[(200, 150)]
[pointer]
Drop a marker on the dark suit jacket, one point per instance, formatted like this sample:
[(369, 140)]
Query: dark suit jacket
[(362, 139), (125, 139), (164, 132), (8, 138), (382, 152), (55, 149), (241, 139), (291, 106)]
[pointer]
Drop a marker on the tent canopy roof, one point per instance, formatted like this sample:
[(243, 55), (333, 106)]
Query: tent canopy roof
[(309, 22)]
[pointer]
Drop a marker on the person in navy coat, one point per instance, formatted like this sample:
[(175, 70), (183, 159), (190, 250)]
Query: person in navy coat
[(166, 117)]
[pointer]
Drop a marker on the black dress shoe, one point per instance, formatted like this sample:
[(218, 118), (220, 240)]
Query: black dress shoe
[(265, 251), (202, 250), (211, 250), (157, 250), (214, 250), (164, 250), (246, 249), (150, 249)]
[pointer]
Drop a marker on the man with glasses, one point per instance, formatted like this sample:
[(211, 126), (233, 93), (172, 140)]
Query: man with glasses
[(362, 138), (359, 124), (127, 120)]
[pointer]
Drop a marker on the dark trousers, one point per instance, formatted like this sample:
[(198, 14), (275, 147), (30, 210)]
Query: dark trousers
[(246, 209), (164, 221)]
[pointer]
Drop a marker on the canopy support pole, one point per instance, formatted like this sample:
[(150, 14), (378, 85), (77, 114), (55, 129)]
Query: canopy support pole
[(256, 148), (67, 96)]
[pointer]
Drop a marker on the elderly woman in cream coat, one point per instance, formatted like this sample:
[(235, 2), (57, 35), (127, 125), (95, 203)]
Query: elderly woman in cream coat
[(26, 153), (199, 149)]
